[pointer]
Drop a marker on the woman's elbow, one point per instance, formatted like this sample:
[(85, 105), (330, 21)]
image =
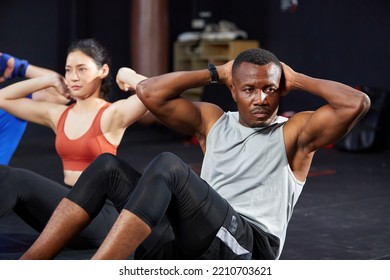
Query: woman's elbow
[(142, 89)]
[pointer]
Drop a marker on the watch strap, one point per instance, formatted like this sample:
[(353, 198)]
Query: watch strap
[(213, 73)]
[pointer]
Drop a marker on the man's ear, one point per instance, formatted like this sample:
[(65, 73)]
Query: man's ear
[(105, 69), (234, 92)]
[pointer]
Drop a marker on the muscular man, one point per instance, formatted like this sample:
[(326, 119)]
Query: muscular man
[(254, 168)]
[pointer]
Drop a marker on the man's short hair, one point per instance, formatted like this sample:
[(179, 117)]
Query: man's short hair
[(257, 56)]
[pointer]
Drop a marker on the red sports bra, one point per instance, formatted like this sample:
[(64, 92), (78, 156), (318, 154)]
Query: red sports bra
[(77, 154)]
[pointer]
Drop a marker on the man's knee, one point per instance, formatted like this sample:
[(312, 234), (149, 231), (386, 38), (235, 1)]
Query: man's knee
[(168, 163)]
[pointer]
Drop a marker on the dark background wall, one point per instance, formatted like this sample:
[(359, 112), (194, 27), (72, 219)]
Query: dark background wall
[(343, 40)]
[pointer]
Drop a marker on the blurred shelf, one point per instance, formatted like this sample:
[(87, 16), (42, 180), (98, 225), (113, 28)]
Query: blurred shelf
[(195, 55)]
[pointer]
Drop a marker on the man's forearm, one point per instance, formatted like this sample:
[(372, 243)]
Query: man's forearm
[(338, 95), (171, 85)]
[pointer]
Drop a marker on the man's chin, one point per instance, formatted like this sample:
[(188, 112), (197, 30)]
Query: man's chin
[(263, 122)]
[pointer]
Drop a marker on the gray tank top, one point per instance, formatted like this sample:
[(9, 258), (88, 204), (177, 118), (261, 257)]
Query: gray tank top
[(249, 168)]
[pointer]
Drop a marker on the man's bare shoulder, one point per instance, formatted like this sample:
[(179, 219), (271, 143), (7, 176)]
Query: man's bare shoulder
[(300, 117), (294, 126), (210, 112)]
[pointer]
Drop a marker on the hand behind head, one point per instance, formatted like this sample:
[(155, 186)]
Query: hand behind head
[(287, 80)]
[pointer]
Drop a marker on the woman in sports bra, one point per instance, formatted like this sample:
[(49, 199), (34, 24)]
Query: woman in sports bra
[(87, 128), (91, 125)]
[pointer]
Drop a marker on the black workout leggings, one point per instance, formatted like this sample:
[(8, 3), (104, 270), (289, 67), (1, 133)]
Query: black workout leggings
[(168, 189), (194, 209), (34, 198)]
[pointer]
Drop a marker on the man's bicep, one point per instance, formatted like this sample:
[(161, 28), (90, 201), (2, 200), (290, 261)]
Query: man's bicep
[(323, 127), (180, 115)]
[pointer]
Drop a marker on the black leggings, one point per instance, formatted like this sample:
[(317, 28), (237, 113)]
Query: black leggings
[(34, 198), (169, 196)]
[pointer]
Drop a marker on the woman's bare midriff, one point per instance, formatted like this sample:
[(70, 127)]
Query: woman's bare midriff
[(71, 176)]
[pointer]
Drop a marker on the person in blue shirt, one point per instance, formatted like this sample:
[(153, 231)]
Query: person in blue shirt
[(11, 127)]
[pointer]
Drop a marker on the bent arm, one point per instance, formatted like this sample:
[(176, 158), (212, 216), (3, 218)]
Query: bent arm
[(33, 71), (122, 113), (161, 95), (12, 99), (50, 95), (346, 106), (47, 94)]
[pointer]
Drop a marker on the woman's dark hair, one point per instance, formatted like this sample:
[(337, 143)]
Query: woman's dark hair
[(96, 51)]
